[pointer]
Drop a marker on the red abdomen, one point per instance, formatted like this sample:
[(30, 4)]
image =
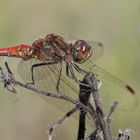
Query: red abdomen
[(16, 51)]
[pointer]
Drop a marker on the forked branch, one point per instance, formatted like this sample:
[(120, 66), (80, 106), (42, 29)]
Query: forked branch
[(102, 122)]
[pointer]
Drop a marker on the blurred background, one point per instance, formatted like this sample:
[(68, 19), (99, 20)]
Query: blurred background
[(114, 23)]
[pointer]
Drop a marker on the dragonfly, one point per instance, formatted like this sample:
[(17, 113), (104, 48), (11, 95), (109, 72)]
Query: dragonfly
[(50, 51), (57, 63)]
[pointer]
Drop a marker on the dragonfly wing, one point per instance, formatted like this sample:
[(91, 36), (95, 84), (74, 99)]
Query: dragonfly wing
[(97, 49), (46, 79), (113, 89)]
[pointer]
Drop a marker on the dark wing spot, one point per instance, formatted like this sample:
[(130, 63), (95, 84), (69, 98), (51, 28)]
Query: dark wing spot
[(130, 89)]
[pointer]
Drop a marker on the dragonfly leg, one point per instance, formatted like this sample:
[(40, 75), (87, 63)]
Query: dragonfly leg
[(35, 66), (70, 68), (78, 68), (59, 78), (70, 73), (67, 70)]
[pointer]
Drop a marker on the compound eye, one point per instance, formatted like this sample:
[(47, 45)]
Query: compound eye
[(83, 50), (77, 49)]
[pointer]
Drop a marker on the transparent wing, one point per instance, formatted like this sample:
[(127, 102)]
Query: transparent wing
[(46, 79), (113, 89), (97, 49)]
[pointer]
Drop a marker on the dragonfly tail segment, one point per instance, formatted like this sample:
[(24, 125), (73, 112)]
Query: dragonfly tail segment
[(22, 51)]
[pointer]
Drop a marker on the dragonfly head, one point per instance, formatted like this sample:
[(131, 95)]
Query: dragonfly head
[(81, 51)]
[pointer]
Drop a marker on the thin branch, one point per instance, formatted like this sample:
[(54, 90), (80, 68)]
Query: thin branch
[(112, 109), (91, 79), (60, 121), (89, 86), (10, 83)]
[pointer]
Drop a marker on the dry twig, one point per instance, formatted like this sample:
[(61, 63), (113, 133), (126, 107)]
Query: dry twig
[(102, 122)]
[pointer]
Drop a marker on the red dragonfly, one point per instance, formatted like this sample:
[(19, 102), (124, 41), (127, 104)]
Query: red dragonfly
[(49, 51), (55, 62)]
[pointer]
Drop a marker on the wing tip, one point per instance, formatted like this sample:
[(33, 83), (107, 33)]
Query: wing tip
[(130, 89)]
